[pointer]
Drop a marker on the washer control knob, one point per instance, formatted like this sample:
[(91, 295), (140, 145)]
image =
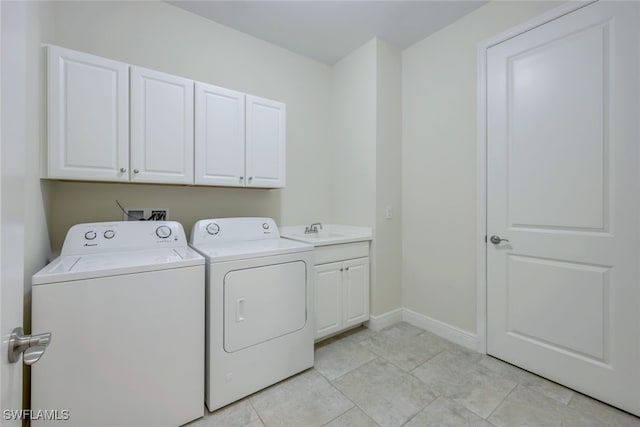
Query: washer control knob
[(213, 228), (163, 231), (90, 235), (265, 226), (109, 234)]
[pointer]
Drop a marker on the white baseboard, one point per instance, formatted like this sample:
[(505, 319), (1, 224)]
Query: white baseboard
[(389, 318), (444, 330)]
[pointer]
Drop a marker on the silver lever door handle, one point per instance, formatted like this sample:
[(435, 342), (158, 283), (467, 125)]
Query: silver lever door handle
[(33, 354), (33, 346), (497, 240)]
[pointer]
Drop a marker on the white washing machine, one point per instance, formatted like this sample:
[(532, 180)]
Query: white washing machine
[(125, 305), (259, 306)]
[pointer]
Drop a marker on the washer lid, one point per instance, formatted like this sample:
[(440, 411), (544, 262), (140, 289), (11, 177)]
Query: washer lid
[(227, 251), (77, 267)]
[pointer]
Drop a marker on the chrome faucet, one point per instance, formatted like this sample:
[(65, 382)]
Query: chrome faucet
[(313, 228)]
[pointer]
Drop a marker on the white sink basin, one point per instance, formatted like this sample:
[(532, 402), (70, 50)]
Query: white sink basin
[(328, 236), (322, 235)]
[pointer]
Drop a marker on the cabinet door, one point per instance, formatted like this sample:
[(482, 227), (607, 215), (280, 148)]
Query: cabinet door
[(219, 136), (266, 143), (161, 127), (88, 117), (328, 295), (356, 291)]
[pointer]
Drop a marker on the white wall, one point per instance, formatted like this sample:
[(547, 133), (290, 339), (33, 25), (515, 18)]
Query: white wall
[(353, 126), (160, 36), (366, 132), (439, 163), (386, 294)]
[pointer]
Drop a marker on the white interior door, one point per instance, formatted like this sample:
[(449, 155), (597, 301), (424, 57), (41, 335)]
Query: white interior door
[(563, 296), (12, 123)]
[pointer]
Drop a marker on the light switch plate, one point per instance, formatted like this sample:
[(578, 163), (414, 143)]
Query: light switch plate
[(388, 212)]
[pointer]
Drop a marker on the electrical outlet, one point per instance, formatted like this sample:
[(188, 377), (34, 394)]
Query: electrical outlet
[(146, 214)]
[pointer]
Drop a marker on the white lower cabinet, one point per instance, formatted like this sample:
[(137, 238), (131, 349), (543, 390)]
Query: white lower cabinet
[(342, 295), (328, 299)]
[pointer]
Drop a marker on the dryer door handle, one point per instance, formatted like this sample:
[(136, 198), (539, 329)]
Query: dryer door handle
[(240, 310)]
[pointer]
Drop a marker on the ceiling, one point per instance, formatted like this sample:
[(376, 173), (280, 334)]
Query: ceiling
[(328, 30)]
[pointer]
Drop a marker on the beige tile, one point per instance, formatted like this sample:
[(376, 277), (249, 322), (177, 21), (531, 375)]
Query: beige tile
[(384, 392), (456, 376), (446, 412), (356, 335), (404, 350), (535, 382), (604, 414), (339, 357), (526, 407), (304, 400), (239, 414), (471, 355), (399, 330), (354, 417)]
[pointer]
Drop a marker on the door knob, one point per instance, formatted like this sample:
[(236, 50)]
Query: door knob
[(33, 346), (497, 240)]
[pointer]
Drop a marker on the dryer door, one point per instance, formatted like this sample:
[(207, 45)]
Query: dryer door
[(263, 303)]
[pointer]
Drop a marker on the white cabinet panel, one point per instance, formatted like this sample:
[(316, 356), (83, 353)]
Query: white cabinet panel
[(342, 295), (266, 143), (88, 117), (328, 299), (356, 291), (161, 127), (219, 136)]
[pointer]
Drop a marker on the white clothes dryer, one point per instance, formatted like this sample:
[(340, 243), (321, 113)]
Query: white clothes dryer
[(259, 302), (125, 305)]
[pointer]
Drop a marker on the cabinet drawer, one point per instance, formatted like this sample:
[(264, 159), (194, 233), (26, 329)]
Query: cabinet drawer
[(333, 253)]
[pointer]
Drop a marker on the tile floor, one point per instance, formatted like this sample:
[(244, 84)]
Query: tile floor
[(405, 376)]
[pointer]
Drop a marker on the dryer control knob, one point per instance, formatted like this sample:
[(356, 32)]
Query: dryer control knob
[(213, 228), (109, 234), (163, 231), (90, 235)]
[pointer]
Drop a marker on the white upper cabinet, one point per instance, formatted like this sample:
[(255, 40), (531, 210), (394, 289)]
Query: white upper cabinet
[(265, 143), (109, 121), (219, 136), (88, 110), (161, 127), (240, 139)]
